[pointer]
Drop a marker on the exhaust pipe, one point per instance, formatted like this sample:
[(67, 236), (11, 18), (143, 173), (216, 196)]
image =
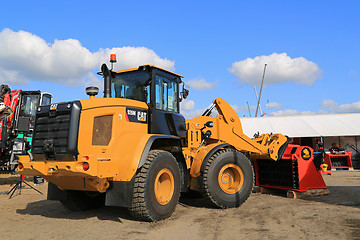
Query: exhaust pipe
[(107, 81)]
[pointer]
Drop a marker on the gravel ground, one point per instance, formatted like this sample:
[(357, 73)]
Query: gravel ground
[(262, 216)]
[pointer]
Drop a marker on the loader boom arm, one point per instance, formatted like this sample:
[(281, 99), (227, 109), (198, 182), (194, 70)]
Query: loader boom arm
[(227, 128)]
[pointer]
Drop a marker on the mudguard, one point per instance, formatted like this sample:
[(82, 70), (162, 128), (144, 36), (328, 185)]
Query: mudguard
[(150, 143), (210, 153), (203, 155)]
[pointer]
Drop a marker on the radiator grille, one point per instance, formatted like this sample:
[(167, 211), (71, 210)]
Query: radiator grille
[(56, 131)]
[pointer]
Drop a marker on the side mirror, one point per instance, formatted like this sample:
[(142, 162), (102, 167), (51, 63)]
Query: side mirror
[(184, 94)]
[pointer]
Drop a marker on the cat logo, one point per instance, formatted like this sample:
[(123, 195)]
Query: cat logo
[(141, 116), (136, 115), (306, 153), (53, 106)]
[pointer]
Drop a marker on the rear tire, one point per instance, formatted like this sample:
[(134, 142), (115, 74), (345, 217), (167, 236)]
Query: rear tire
[(82, 200), (228, 179), (156, 188)]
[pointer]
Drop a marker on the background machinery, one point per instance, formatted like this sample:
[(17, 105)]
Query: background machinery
[(133, 149), (337, 158), (17, 118)]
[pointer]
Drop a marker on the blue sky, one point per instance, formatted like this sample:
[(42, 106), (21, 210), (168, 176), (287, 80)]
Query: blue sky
[(312, 49)]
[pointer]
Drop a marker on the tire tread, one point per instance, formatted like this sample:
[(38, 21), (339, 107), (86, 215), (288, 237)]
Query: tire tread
[(208, 198), (139, 208)]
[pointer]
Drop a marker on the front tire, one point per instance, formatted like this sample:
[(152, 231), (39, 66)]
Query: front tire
[(157, 187), (228, 179)]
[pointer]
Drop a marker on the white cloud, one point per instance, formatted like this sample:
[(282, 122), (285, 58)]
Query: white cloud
[(349, 108), (25, 56), (280, 68), (128, 57), (273, 105), (344, 108), (329, 104), (187, 105), (11, 77), (32, 58), (200, 84), (292, 112)]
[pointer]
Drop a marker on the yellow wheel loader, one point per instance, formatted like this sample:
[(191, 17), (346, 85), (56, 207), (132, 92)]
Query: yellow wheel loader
[(132, 148)]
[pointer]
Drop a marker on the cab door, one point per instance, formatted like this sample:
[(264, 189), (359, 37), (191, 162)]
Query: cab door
[(165, 116)]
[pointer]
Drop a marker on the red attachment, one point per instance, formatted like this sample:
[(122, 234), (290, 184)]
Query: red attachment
[(86, 166), (295, 171), (113, 58), (11, 100), (338, 161)]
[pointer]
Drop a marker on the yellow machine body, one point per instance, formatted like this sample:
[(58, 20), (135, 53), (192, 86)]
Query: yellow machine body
[(114, 143), (115, 156)]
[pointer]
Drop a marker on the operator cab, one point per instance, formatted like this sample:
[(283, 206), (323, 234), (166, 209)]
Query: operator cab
[(29, 102), (157, 87)]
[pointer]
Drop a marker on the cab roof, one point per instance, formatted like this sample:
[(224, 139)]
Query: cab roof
[(148, 66)]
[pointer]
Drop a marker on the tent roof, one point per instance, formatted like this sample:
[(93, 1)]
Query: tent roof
[(325, 125)]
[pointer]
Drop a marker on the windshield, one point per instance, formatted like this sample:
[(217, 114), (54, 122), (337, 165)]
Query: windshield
[(29, 105), (131, 85)]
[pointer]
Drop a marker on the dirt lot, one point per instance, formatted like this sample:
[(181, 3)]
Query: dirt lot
[(262, 216)]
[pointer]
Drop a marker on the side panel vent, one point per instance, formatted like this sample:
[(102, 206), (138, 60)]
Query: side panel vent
[(102, 130)]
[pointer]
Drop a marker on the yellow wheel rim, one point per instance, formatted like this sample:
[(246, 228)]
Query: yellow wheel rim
[(164, 186), (231, 178)]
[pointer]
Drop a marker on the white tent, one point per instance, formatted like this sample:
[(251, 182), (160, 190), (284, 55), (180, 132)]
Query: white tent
[(326, 125)]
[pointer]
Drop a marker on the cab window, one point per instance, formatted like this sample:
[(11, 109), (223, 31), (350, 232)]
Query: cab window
[(131, 85), (46, 100), (29, 105), (166, 94)]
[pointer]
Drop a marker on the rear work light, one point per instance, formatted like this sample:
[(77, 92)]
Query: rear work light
[(86, 166)]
